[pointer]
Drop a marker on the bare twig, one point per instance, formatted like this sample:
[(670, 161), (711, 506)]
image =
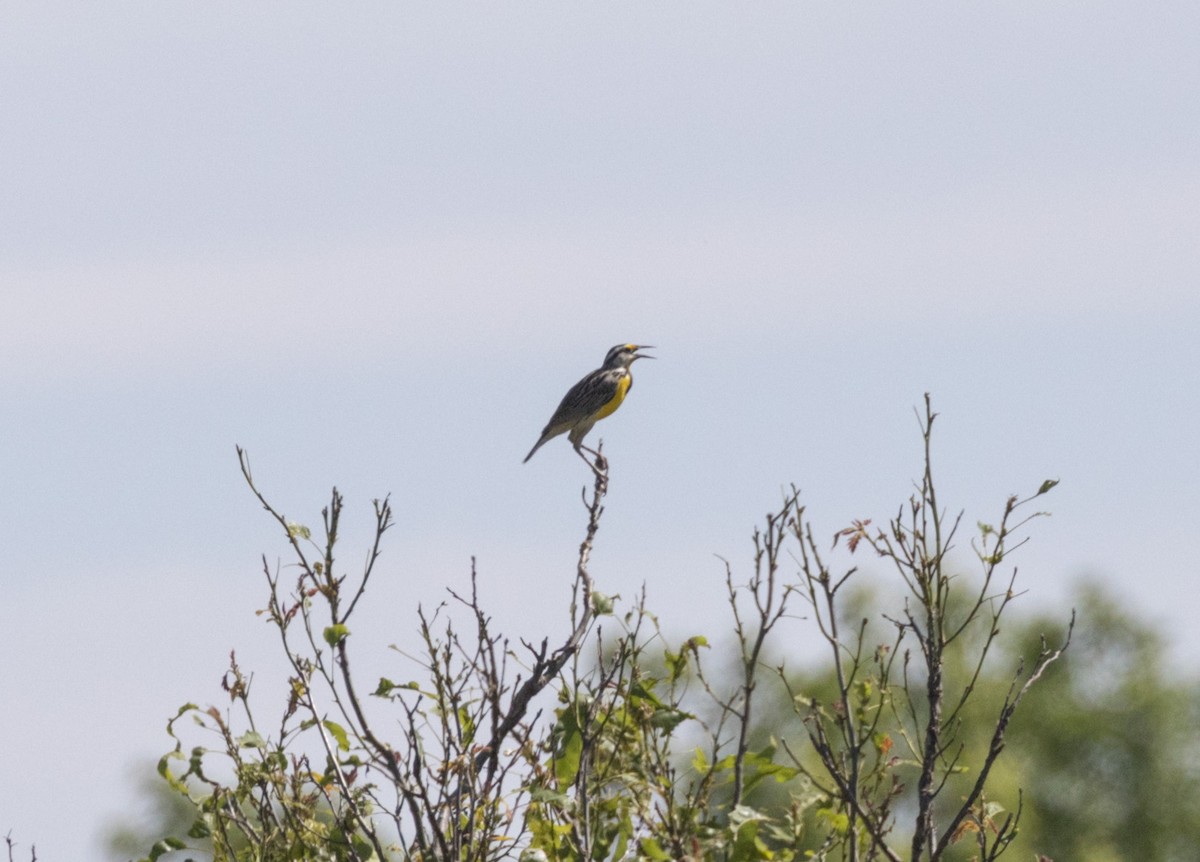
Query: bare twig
[(547, 667), (12, 846), (1045, 658), (770, 604)]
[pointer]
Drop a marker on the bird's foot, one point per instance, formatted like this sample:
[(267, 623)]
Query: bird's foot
[(598, 462)]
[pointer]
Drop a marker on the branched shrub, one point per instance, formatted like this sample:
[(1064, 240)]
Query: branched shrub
[(618, 743)]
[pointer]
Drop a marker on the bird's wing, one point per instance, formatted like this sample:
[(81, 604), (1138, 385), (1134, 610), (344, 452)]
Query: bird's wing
[(585, 398)]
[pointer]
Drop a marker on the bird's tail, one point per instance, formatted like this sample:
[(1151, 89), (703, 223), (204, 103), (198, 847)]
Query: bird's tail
[(536, 446)]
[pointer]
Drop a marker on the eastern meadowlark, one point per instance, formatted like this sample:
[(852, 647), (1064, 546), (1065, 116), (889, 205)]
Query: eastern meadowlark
[(591, 399)]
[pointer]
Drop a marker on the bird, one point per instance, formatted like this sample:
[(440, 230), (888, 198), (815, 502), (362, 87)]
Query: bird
[(591, 399)]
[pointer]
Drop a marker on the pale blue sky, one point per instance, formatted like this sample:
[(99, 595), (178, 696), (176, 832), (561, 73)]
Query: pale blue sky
[(375, 245)]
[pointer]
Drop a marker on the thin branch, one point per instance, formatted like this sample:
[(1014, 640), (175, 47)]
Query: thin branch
[(545, 669), (1045, 658), (771, 606)]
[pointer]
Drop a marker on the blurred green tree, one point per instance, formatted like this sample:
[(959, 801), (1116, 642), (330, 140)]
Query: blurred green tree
[(1108, 751), (1103, 754), (161, 811)]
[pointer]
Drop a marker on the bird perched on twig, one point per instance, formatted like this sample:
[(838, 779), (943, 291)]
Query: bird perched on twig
[(591, 399)]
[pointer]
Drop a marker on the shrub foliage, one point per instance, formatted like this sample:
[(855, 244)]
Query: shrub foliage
[(617, 742)]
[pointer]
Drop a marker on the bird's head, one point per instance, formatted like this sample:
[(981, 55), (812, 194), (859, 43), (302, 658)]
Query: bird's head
[(623, 355)]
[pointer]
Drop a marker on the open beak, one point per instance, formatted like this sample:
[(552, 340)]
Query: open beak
[(644, 355)]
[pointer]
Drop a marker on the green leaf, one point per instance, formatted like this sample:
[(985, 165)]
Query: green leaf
[(747, 846), (167, 845), (384, 688), (743, 814), (467, 723), (678, 662), (761, 765), (838, 821), (334, 635), (652, 850), (339, 733), (602, 605), (298, 531), (251, 739), (362, 847), (569, 751), (1046, 486), (668, 718), (725, 763), (174, 783), (624, 833), (196, 761), (643, 690), (548, 796)]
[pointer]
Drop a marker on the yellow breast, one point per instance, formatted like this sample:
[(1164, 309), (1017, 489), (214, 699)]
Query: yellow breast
[(623, 385)]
